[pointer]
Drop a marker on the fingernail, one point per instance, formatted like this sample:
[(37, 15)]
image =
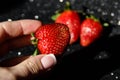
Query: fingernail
[(48, 61)]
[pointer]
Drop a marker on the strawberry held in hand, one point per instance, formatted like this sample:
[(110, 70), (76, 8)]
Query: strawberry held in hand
[(52, 38), (90, 31), (72, 20)]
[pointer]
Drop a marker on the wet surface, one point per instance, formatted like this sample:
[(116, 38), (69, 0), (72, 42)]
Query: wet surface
[(99, 61)]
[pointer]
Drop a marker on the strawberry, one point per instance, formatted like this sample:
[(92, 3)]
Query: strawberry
[(90, 30), (71, 19), (52, 38)]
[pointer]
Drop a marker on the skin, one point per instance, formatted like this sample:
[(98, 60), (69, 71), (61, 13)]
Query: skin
[(15, 34)]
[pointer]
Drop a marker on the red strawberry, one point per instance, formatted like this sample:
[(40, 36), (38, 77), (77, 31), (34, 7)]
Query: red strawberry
[(90, 31), (72, 20), (52, 38)]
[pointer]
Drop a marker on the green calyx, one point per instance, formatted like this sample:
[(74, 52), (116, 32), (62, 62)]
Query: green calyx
[(34, 41), (54, 17), (58, 12), (105, 24), (93, 17), (67, 5)]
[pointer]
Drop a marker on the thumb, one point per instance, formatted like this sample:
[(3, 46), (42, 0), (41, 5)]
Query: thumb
[(33, 65)]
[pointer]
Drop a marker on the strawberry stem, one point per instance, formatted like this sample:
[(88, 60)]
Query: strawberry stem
[(33, 39), (32, 34), (34, 42), (67, 5), (35, 52), (54, 17)]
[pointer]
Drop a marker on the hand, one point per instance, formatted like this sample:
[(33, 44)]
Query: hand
[(15, 34)]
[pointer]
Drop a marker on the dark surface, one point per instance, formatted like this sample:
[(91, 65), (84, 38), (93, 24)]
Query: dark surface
[(99, 61)]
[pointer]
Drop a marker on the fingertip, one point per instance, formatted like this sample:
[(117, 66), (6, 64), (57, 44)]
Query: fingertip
[(48, 61), (34, 65), (29, 25)]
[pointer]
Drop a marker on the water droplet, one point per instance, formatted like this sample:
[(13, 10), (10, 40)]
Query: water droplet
[(19, 53), (88, 10), (104, 13), (99, 10), (118, 11), (68, 49), (61, 0), (9, 19), (91, 12), (102, 4), (118, 23), (38, 4), (100, 57), (116, 77), (111, 21), (36, 17), (31, 0), (22, 15), (112, 14), (111, 74), (116, 3), (116, 6)]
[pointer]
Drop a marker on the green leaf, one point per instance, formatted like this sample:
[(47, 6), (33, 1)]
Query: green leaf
[(67, 5), (58, 12), (93, 17), (54, 17)]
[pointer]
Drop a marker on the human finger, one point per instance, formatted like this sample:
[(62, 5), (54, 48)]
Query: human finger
[(11, 29), (33, 65)]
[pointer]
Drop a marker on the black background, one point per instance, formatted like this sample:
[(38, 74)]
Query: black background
[(99, 61)]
